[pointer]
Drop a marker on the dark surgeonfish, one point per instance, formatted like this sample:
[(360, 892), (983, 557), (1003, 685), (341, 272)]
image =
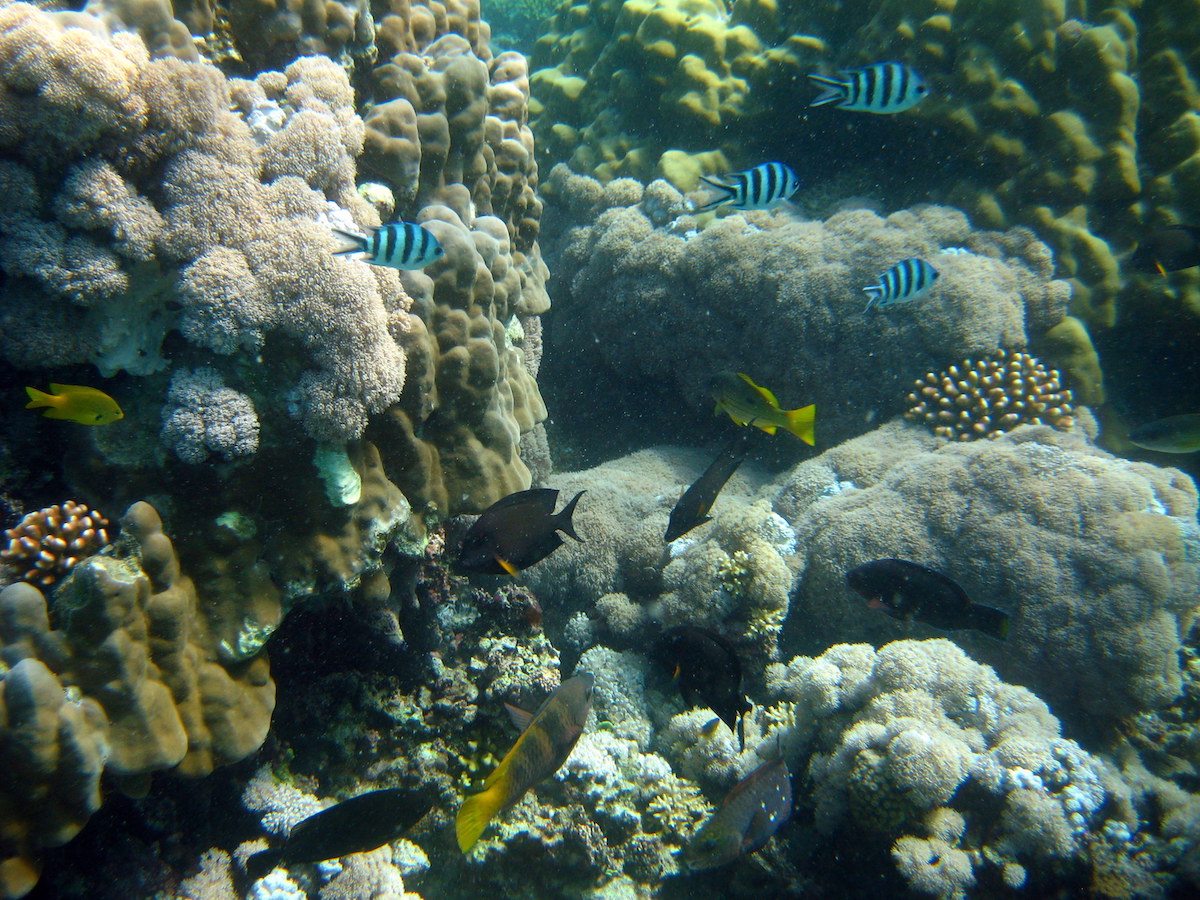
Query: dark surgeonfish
[(549, 736), (756, 808), (1168, 249), (1174, 434), (356, 825), (708, 672), (692, 508), (906, 590), (515, 532)]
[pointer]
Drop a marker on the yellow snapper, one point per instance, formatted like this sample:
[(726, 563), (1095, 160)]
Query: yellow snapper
[(75, 403), (748, 404), (547, 740)]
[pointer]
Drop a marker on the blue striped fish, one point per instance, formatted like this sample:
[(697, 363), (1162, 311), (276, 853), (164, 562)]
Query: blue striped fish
[(400, 245), (906, 280), (882, 88), (757, 188)]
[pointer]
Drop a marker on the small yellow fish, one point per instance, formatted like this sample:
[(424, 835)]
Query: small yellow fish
[(75, 403), (548, 739), (748, 404)]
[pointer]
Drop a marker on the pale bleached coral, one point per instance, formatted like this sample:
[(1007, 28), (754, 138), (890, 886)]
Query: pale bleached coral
[(892, 738), (1093, 556), (204, 416)]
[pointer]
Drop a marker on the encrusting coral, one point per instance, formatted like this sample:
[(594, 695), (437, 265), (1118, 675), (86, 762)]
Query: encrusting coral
[(895, 741), (47, 544), (988, 397), (1093, 556), (778, 298)]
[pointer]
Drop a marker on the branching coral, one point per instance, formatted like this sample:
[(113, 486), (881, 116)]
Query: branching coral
[(47, 544)]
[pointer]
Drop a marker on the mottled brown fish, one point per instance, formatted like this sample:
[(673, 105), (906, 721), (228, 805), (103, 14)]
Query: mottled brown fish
[(356, 825), (515, 532), (692, 508), (707, 669), (907, 590), (756, 808), (549, 736)]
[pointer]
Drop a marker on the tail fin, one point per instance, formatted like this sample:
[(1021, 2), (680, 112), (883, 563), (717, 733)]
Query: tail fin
[(262, 862), (38, 399), (801, 423), (990, 620), (563, 520), (725, 196), (874, 292), (350, 243), (835, 89), (474, 815)]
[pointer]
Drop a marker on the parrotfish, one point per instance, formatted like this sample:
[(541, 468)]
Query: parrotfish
[(906, 280), (707, 669), (882, 88), (751, 813), (356, 825), (759, 188), (748, 404), (1174, 434), (907, 590), (400, 245), (1168, 249), (515, 532), (75, 403), (692, 507), (549, 736)]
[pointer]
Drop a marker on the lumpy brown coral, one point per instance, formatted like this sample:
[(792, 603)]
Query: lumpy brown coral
[(45, 545), (987, 397)]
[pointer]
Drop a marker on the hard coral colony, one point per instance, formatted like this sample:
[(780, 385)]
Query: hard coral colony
[(290, 257)]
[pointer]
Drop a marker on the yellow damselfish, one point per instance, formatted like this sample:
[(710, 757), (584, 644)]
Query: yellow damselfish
[(547, 740), (75, 403), (748, 404)]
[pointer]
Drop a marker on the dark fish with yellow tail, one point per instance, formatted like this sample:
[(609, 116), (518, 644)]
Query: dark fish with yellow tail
[(75, 403), (707, 669), (549, 736), (748, 404), (356, 825), (907, 590), (515, 532), (1174, 434), (692, 508), (1169, 249), (751, 813)]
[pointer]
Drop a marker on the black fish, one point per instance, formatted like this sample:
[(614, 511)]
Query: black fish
[(1168, 250), (750, 814), (356, 825), (515, 532), (906, 590), (692, 508), (708, 671)]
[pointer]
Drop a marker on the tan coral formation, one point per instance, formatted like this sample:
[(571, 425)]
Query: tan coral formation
[(126, 639)]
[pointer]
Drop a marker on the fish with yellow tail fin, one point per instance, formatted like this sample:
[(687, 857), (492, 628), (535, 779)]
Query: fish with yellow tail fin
[(547, 740), (748, 404), (75, 403)]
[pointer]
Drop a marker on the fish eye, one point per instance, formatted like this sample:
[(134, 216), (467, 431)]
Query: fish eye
[(922, 89), (99, 416)]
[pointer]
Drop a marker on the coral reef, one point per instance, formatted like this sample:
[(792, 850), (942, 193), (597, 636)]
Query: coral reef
[(917, 745), (986, 398), (47, 544), (126, 650), (697, 293), (1095, 557)]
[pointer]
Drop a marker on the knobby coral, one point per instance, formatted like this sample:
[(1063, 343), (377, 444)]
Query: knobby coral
[(47, 544)]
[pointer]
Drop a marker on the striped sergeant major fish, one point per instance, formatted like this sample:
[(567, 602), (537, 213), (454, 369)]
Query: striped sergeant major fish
[(757, 188), (399, 245), (882, 88), (906, 280)]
